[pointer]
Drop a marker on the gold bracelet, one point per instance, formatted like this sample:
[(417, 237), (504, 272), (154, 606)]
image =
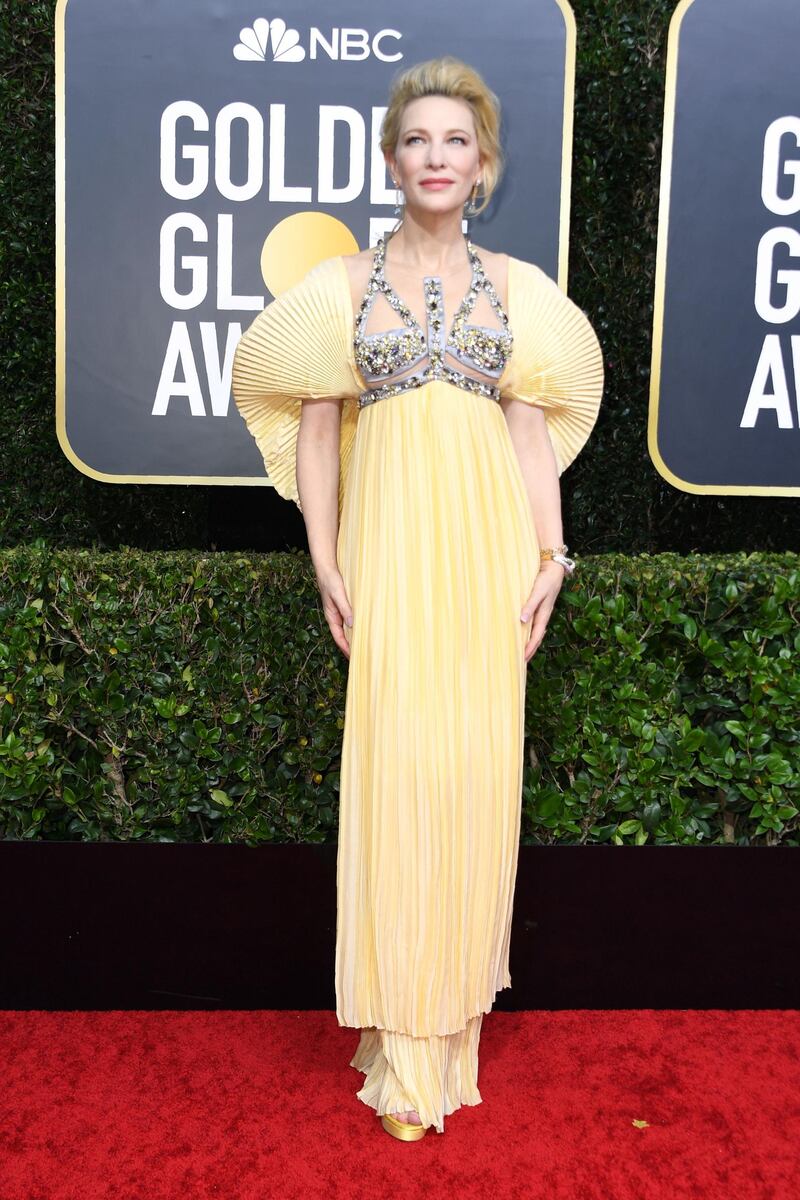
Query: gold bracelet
[(558, 554)]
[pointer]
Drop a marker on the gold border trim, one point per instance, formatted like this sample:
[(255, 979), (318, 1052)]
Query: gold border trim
[(684, 485), (566, 141), (60, 165)]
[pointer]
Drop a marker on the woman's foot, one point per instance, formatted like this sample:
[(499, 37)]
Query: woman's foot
[(411, 1117), (406, 1126)]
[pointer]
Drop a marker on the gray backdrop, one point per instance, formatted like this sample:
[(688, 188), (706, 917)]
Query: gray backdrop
[(124, 63), (737, 72)]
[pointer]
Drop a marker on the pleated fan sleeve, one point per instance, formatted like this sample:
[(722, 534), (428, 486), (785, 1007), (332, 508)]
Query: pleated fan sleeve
[(297, 348), (556, 363)]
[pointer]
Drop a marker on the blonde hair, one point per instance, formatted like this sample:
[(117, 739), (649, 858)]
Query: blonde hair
[(448, 76)]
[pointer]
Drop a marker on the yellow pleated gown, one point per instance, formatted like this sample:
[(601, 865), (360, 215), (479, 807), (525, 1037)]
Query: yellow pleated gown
[(438, 553)]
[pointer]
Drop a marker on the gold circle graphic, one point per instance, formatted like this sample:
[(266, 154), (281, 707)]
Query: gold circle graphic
[(298, 243)]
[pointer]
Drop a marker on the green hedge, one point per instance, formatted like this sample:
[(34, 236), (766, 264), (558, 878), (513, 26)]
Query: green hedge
[(614, 498), (181, 697)]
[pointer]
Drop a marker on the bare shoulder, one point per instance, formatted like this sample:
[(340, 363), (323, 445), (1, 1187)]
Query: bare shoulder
[(492, 258), (496, 267), (502, 261), (531, 274), (359, 264), (531, 269), (359, 268)]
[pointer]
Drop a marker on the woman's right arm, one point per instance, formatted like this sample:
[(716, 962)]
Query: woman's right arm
[(317, 469)]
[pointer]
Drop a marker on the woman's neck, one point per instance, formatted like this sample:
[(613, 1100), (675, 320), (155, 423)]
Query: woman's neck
[(433, 246)]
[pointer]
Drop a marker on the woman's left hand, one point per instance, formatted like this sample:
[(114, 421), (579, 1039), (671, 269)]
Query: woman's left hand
[(541, 603)]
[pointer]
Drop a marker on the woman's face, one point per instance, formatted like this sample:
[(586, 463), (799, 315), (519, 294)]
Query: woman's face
[(437, 142)]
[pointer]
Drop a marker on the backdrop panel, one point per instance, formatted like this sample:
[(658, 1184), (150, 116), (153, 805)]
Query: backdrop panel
[(724, 401), (196, 141)]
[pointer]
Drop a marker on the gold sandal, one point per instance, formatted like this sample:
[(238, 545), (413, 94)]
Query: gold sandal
[(403, 1130)]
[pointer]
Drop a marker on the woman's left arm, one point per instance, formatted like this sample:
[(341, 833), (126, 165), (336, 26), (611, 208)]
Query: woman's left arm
[(528, 429)]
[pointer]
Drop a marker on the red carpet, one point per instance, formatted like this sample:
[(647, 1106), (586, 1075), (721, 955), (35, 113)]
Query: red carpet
[(581, 1105)]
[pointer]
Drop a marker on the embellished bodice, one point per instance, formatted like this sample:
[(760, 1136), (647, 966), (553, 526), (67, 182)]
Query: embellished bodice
[(384, 359)]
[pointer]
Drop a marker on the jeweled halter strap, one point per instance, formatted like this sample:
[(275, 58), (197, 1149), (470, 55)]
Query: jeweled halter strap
[(437, 340)]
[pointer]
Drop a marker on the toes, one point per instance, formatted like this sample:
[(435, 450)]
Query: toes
[(408, 1118)]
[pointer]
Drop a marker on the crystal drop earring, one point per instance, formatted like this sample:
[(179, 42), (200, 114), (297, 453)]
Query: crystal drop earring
[(471, 204), (398, 203)]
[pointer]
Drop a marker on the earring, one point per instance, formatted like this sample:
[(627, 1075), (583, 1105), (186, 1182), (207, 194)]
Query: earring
[(471, 205), (398, 202)]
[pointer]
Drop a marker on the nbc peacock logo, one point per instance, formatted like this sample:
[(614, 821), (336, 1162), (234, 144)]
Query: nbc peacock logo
[(271, 39)]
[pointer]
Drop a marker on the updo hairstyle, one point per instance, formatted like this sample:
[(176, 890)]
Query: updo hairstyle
[(448, 76)]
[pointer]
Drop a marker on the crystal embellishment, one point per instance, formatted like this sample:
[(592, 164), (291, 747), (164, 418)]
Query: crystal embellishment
[(381, 355)]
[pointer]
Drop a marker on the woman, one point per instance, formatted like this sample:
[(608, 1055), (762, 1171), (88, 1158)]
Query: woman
[(418, 401)]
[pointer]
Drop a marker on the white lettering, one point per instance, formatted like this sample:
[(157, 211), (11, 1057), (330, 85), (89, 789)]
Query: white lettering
[(225, 295), (278, 190), (255, 152), (329, 115), (261, 160), (219, 376), (354, 45), (773, 171), (770, 363), (197, 155), (179, 352), (782, 235), (376, 45), (195, 263), (316, 38)]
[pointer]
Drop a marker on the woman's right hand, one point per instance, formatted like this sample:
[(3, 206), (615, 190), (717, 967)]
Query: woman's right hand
[(336, 607)]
